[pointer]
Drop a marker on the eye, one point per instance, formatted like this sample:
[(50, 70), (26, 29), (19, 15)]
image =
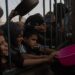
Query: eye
[(34, 39)]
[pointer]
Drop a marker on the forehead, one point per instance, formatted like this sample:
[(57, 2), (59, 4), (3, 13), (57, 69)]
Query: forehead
[(33, 36), (1, 38)]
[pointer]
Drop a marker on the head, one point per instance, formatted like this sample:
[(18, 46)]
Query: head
[(3, 45), (50, 17), (16, 34), (37, 22), (41, 27), (61, 11), (30, 37)]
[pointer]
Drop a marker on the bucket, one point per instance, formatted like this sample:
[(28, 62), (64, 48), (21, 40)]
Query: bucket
[(66, 55)]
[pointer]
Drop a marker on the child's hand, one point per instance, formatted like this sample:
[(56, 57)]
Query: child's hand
[(52, 55)]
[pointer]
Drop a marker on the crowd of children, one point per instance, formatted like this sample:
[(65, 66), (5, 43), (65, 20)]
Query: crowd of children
[(32, 46)]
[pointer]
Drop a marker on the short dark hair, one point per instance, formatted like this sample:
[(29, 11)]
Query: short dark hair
[(14, 32), (29, 32), (34, 20)]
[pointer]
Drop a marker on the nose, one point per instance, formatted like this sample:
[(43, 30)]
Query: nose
[(6, 44), (35, 43), (20, 38)]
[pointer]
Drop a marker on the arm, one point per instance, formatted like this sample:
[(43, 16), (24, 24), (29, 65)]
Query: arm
[(35, 61), (39, 60), (31, 56), (47, 51)]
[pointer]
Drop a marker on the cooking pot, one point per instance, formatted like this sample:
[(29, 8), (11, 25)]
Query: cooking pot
[(26, 6)]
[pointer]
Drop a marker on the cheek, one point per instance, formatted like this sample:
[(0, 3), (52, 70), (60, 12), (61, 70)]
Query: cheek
[(4, 49), (31, 43), (44, 27), (19, 39)]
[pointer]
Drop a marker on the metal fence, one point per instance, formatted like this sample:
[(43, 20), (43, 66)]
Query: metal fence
[(62, 27)]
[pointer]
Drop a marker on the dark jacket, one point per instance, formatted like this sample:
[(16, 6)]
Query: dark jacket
[(16, 61)]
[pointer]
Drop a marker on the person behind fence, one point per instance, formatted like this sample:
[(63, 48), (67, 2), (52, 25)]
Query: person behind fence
[(50, 21), (16, 35), (16, 60), (31, 57), (61, 12), (32, 47), (36, 21), (2, 47), (31, 42)]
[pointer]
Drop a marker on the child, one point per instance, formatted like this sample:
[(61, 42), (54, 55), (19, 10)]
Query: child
[(16, 60), (30, 41), (36, 21), (16, 36), (31, 47)]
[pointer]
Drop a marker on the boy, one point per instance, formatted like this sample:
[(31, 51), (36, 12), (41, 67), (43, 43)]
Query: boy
[(36, 21), (35, 54)]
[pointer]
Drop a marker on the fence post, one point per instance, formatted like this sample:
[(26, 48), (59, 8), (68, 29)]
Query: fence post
[(73, 20), (7, 19)]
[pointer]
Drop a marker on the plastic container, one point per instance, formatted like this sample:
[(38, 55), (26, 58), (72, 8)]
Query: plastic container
[(66, 55)]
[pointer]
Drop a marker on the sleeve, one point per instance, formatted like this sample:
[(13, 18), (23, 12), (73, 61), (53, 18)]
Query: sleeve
[(17, 60)]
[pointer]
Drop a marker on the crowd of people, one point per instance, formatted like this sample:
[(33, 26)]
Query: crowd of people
[(33, 46)]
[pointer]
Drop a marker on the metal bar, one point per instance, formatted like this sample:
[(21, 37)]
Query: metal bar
[(9, 52), (20, 17), (44, 16), (43, 7), (61, 35), (73, 21), (50, 24), (56, 23), (66, 17)]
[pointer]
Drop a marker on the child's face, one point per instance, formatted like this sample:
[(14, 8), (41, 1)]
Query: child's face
[(41, 28), (32, 41), (3, 45), (20, 38)]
